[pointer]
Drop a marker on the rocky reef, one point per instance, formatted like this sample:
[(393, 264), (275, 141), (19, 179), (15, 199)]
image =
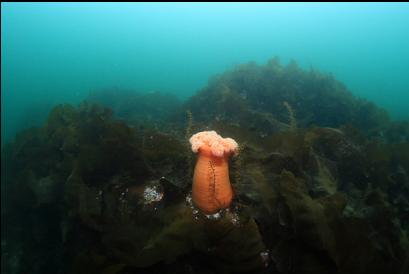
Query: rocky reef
[(321, 182)]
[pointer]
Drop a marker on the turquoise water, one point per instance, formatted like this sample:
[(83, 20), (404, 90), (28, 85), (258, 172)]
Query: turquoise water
[(136, 174), (55, 53)]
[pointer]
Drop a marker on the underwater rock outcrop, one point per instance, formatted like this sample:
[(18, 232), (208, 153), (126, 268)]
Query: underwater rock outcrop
[(152, 109), (270, 98), (321, 184)]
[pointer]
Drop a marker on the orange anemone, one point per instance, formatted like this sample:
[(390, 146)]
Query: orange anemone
[(211, 190)]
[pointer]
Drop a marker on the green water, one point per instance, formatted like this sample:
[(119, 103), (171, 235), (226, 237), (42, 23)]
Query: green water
[(55, 53)]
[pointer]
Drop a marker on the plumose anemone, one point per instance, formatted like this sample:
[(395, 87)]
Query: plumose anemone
[(211, 190)]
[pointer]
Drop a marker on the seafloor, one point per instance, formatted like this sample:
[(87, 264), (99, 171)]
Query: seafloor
[(321, 182)]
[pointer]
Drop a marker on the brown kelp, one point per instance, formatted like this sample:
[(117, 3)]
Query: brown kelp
[(321, 184)]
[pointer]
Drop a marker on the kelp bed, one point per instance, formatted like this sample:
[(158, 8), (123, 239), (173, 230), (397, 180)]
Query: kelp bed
[(321, 182)]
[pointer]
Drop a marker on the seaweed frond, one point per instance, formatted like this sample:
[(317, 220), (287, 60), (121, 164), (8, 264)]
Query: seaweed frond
[(188, 133), (291, 114)]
